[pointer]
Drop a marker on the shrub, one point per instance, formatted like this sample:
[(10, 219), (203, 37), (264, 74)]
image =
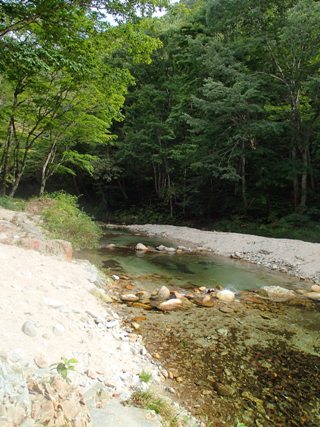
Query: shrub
[(12, 203), (63, 218)]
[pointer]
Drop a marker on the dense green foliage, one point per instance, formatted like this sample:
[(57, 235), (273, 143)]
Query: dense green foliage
[(221, 125), (65, 220), (63, 82), (225, 121)]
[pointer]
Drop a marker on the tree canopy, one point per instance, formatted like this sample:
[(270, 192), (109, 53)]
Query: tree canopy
[(208, 112)]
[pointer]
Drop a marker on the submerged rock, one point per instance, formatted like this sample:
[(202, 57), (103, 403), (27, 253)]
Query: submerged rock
[(144, 297), (204, 300), (224, 389), (109, 246), (315, 296), (129, 298), (225, 295), (277, 293), (170, 305), (163, 293)]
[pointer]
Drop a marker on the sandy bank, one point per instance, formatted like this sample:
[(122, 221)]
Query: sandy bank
[(51, 309), (293, 256)]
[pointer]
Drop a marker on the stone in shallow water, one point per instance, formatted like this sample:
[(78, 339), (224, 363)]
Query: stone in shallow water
[(225, 295), (141, 247), (224, 389), (204, 301), (277, 293), (170, 305), (129, 298), (163, 293), (313, 295)]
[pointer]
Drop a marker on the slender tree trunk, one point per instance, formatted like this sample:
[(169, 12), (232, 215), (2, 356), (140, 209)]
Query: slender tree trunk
[(45, 173), (295, 183), (243, 179), (304, 180), (5, 158), (20, 172), (310, 168), (170, 195), (4, 167), (184, 192)]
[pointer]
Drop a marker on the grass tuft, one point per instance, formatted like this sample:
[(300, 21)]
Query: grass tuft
[(145, 376), (148, 400)]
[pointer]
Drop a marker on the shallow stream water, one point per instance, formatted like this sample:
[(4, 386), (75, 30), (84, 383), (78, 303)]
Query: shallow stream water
[(254, 360)]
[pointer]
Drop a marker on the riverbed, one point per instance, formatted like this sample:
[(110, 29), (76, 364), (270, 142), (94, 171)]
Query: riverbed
[(254, 360)]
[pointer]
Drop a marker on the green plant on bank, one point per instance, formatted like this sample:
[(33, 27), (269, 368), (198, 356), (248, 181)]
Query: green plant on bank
[(239, 424), (12, 203), (145, 376), (148, 400), (65, 220), (64, 367)]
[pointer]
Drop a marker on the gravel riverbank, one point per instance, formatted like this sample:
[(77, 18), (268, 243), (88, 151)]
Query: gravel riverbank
[(295, 257), (58, 311)]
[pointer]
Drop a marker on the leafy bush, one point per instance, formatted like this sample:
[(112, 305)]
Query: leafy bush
[(65, 220), (12, 203)]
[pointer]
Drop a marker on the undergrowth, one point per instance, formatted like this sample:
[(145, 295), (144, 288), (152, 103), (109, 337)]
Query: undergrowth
[(294, 226), (63, 218), (11, 203)]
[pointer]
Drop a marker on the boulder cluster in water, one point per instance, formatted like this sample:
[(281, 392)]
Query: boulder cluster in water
[(140, 247), (166, 300)]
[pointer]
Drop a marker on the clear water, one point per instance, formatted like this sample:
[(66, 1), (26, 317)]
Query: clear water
[(180, 270), (267, 356)]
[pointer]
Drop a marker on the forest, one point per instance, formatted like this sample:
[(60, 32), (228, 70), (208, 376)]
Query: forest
[(207, 115)]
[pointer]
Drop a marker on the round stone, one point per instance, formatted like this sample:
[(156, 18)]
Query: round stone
[(29, 328)]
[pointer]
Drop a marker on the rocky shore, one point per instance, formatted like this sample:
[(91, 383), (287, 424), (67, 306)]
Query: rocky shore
[(66, 359), (294, 257)]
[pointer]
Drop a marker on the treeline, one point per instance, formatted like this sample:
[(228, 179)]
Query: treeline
[(224, 121)]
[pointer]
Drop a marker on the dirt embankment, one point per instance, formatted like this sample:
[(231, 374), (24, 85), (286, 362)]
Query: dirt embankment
[(292, 256)]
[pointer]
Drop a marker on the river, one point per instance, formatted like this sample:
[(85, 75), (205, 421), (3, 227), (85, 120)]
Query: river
[(254, 361)]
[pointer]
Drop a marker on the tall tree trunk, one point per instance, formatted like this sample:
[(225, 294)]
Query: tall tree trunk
[(304, 180), (45, 173), (5, 158), (243, 179), (4, 166), (295, 183)]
